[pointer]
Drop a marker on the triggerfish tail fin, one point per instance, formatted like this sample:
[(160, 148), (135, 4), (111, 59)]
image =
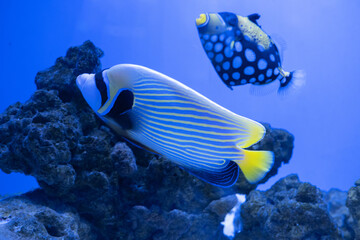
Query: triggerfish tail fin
[(291, 81), (225, 177), (255, 164)]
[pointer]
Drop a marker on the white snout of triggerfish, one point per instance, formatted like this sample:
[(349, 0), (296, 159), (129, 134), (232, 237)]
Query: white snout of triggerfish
[(166, 117)]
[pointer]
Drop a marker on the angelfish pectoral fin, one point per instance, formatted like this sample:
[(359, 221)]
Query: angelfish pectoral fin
[(255, 164), (225, 177)]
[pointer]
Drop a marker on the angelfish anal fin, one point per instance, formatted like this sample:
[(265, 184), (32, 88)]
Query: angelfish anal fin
[(225, 177)]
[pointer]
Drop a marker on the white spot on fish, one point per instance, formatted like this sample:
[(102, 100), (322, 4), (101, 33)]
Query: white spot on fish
[(276, 71), (210, 55), (228, 52), (208, 46), (249, 70), (226, 65), (206, 36), (272, 57), (262, 64), (225, 76), (238, 46), (236, 62), (252, 80), (236, 75), (243, 81), (261, 48), (229, 40), (247, 38), (269, 72), (261, 77), (218, 47), (219, 58), (222, 37), (232, 83), (214, 38), (283, 80), (218, 68), (250, 55)]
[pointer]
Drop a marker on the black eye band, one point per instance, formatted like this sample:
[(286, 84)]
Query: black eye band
[(123, 103), (101, 86)]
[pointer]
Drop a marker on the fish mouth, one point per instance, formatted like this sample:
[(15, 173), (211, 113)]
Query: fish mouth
[(202, 20)]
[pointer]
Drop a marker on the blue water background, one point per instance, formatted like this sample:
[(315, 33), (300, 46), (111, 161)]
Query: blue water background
[(322, 37)]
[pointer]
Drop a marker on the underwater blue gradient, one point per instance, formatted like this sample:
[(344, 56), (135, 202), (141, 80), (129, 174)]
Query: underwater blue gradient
[(322, 38)]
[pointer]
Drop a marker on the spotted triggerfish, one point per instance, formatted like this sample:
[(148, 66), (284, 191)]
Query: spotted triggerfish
[(241, 52), (168, 118)]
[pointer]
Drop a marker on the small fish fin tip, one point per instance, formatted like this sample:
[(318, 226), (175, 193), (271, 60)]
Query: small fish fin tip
[(292, 82), (224, 178), (256, 164)]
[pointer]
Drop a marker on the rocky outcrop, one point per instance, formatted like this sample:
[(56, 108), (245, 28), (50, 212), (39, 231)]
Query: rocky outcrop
[(353, 203), (290, 209), (36, 216), (118, 191)]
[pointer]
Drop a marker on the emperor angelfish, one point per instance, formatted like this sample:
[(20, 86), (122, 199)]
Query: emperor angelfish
[(166, 117), (241, 52)]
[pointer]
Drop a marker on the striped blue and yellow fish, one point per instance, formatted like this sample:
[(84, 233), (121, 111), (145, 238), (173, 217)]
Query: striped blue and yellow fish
[(168, 118), (242, 53)]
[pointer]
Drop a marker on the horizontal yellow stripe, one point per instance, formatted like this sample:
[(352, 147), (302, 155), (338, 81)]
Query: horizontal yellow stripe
[(224, 116), (239, 155), (234, 141), (177, 151), (191, 141), (187, 122), (185, 115), (149, 84), (193, 129), (172, 101)]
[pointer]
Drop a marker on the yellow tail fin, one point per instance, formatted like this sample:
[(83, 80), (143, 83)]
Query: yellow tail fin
[(256, 164)]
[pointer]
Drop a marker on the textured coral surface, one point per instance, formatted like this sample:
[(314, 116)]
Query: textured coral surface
[(96, 186)]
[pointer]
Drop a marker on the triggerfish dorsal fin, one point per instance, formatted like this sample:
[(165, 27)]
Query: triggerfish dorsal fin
[(255, 164), (254, 17), (225, 177)]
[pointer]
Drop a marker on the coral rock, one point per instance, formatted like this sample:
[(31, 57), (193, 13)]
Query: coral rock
[(59, 140)]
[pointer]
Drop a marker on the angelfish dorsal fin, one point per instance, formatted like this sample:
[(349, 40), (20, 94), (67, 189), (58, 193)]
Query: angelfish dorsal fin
[(254, 17)]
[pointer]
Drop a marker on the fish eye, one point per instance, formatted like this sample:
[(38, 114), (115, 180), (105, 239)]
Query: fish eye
[(202, 20)]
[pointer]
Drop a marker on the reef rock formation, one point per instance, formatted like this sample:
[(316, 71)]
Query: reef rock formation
[(290, 209), (35, 216), (353, 203), (108, 190)]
